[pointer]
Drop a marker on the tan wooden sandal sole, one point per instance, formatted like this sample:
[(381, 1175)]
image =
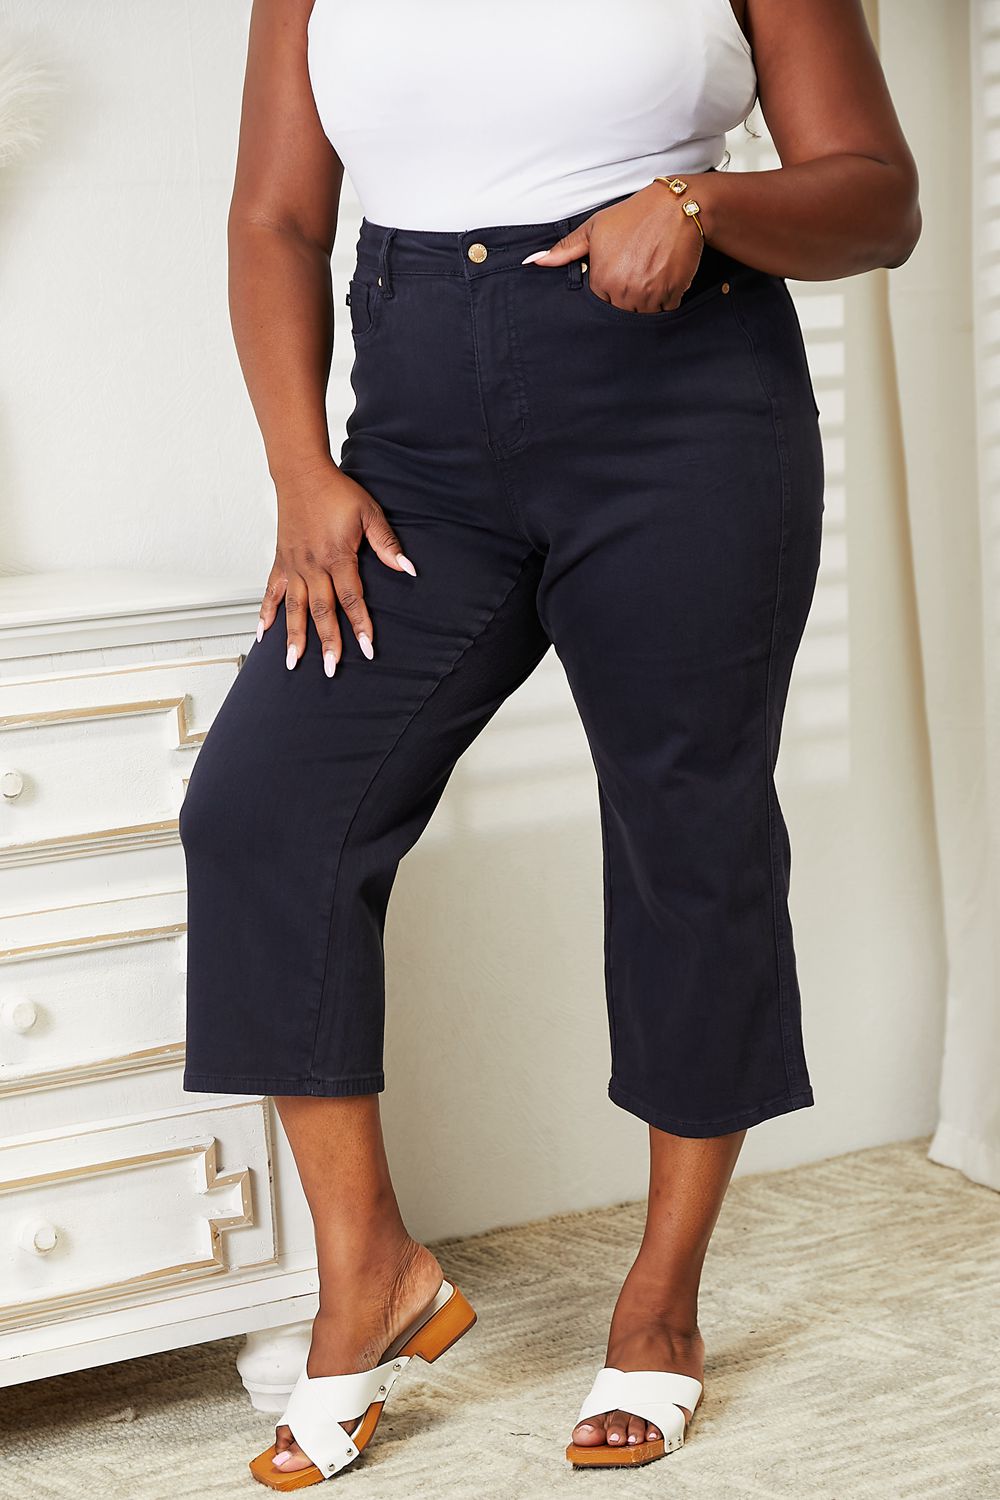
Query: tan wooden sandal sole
[(603, 1455)]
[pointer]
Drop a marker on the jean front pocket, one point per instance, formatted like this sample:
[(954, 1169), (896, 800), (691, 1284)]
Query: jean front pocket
[(688, 303), (364, 300)]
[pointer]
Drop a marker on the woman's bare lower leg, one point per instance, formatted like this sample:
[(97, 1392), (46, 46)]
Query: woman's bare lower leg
[(655, 1322), (374, 1278)]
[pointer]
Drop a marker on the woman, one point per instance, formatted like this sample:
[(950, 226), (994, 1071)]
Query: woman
[(583, 406)]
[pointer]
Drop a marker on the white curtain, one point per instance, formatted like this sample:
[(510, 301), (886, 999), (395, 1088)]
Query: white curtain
[(943, 63)]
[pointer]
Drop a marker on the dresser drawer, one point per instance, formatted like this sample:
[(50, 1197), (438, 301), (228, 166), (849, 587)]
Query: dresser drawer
[(126, 1212), (97, 761), (91, 991)]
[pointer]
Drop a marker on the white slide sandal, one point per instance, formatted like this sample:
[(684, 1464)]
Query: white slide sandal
[(654, 1395), (319, 1404)]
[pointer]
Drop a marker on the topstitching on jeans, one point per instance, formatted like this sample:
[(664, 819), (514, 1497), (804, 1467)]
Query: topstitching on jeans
[(782, 456), (374, 777)]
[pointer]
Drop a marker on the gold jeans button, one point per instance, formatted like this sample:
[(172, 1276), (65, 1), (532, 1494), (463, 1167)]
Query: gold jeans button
[(478, 253)]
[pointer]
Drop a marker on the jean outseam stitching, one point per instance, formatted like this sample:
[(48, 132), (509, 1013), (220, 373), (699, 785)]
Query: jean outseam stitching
[(371, 782), (602, 803), (779, 443)]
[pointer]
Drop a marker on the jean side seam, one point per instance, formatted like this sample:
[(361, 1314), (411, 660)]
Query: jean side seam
[(609, 905), (374, 777), (779, 443)]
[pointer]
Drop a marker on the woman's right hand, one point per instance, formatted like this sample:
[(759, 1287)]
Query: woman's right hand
[(323, 517)]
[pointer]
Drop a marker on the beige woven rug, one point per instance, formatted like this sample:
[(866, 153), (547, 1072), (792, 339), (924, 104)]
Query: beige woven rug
[(852, 1320)]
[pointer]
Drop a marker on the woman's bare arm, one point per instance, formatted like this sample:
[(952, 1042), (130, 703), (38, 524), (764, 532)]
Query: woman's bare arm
[(845, 198), (843, 201), (282, 223)]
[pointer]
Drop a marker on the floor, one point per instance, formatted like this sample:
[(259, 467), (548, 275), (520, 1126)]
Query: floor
[(852, 1319)]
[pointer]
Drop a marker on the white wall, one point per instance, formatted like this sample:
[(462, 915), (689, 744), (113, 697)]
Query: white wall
[(128, 441)]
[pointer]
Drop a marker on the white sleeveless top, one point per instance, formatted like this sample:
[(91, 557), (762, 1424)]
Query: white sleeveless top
[(461, 114)]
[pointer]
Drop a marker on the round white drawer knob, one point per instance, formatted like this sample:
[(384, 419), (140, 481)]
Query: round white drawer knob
[(11, 785), (39, 1236), (19, 1015)]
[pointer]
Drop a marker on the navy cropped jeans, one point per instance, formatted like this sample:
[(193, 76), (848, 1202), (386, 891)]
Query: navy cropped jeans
[(644, 492)]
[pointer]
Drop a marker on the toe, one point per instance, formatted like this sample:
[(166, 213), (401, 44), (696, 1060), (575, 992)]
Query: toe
[(653, 1434), (296, 1460), (588, 1434), (636, 1430), (617, 1429), (289, 1455)]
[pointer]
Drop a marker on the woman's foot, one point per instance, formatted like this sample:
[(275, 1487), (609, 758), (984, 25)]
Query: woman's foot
[(647, 1333), (365, 1303)]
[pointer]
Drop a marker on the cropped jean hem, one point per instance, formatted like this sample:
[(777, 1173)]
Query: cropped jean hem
[(782, 1104), (321, 1088)]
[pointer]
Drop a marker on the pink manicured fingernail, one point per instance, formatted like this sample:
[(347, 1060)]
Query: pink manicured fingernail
[(260, 630), (530, 259), (291, 657), (367, 649), (281, 1458), (405, 564), (329, 663)]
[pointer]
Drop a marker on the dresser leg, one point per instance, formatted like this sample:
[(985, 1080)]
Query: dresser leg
[(270, 1362)]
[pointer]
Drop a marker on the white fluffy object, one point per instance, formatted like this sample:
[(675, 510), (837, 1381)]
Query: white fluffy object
[(26, 86)]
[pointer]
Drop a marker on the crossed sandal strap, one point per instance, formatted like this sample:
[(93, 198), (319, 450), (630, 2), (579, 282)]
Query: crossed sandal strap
[(318, 1404), (654, 1395)]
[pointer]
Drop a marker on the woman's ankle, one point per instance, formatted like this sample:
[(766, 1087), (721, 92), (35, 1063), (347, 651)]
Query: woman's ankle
[(375, 1237), (385, 1269), (654, 1302)]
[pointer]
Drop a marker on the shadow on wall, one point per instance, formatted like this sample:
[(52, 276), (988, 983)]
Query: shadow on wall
[(816, 736), (988, 270)]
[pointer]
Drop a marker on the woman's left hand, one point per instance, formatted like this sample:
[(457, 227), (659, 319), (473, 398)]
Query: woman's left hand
[(641, 253)]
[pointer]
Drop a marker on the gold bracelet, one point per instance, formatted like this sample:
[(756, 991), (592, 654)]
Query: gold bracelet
[(690, 206)]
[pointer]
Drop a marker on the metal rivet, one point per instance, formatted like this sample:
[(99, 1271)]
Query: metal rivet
[(478, 253), (397, 1367), (381, 1390), (725, 286)]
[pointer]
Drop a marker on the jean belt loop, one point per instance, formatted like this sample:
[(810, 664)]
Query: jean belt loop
[(384, 275)]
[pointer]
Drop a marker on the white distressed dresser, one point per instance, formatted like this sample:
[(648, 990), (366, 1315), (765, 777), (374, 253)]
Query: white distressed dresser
[(133, 1217)]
